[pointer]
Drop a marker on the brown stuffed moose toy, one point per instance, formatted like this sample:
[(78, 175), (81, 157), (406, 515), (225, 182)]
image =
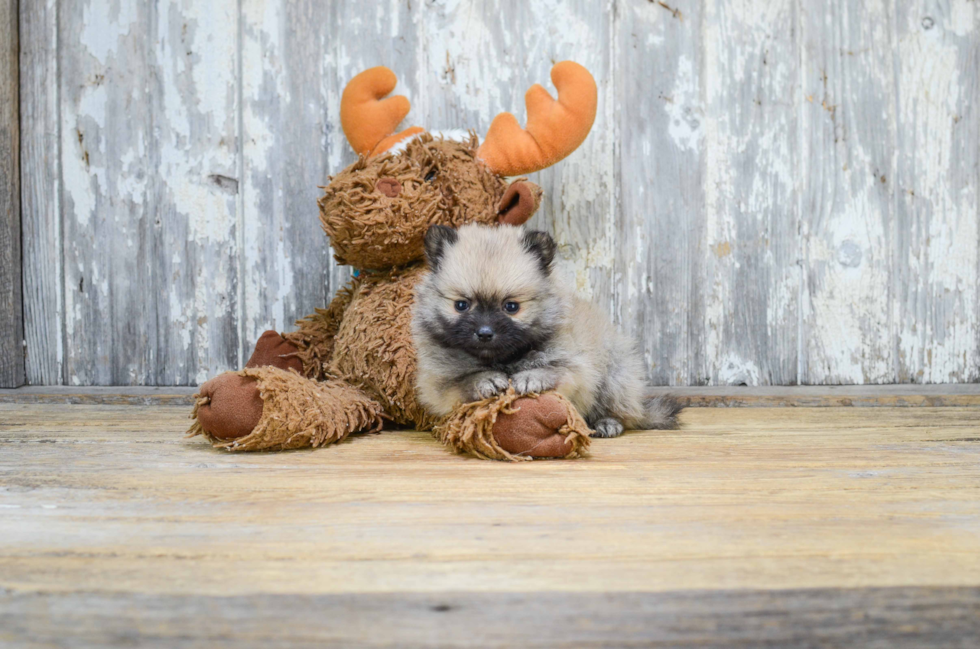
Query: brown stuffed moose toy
[(350, 368)]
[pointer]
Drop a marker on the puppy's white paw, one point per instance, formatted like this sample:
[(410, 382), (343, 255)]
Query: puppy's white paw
[(490, 385), (608, 428), (533, 381)]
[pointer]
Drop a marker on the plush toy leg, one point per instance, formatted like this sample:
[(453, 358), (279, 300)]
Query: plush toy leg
[(231, 402), (514, 428), (272, 349), (232, 405), (267, 408)]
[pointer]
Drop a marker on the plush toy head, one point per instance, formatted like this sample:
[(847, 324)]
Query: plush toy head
[(376, 211)]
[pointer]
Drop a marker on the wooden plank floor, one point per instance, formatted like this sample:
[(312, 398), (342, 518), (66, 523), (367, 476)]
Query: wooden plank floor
[(747, 527)]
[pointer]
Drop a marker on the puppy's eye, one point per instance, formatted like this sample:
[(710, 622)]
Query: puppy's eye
[(461, 305), (511, 307), (429, 177)]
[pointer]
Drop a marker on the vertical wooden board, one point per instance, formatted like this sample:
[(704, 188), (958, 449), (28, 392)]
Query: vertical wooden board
[(296, 59), (847, 166), (937, 233), (11, 296), (191, 226), (41, 193), (104, 112), (660, 120), (751, 278), (148, 154), (478, 61)]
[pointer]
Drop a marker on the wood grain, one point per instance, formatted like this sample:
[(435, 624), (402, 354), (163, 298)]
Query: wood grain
[(846, 396), (751, 280), (192, 219), (659, 248), (800, 527), (149, 121), (11, 297), (937, 203), (104, 140), (848, 169), (876, 617), (112, 499), (106, 395), (41, 190)]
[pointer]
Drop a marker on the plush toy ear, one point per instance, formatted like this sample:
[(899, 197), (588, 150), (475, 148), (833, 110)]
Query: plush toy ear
[(520, 202), (438, 238), (541, 245)]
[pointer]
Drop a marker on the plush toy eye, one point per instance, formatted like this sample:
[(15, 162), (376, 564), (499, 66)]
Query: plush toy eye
[(461, 305), (429, 177), (511, 307)]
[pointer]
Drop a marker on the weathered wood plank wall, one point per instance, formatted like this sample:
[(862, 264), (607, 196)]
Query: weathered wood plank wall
[(11, 297), (44, 322), (774, 192)]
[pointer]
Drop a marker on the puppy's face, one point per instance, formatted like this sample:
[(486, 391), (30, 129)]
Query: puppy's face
[(490, 292)]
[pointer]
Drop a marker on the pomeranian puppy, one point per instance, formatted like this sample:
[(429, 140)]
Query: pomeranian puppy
[(490, 315)]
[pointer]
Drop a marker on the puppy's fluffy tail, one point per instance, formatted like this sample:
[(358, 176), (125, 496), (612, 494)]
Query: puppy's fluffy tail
[(661, 412)]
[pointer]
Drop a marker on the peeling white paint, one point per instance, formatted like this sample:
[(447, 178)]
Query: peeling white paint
[(963, 17), (685, 126), (733, 370), (103, 24), (936, 325), (766, 194)]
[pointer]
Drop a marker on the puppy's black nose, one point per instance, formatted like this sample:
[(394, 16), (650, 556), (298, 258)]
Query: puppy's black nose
[(485, 334)]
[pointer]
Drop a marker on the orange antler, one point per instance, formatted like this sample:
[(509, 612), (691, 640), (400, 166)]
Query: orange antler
[(369, 120), (554, 128)]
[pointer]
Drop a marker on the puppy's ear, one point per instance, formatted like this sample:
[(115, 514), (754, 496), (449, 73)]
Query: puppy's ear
[(542, 246), (438, 238)]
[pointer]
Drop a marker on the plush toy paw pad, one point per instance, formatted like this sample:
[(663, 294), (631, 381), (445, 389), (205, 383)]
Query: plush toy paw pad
[(607, 428), (233, 406), (533, 429)]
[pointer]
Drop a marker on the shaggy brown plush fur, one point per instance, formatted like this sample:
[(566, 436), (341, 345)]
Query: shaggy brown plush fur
[(373, 347), (298, 413), (441, 183)]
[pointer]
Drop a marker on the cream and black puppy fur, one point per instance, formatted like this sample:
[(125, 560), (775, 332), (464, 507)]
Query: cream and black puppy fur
[(490, 314)]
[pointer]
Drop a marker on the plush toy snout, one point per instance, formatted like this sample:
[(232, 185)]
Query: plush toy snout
[(390, 187)]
